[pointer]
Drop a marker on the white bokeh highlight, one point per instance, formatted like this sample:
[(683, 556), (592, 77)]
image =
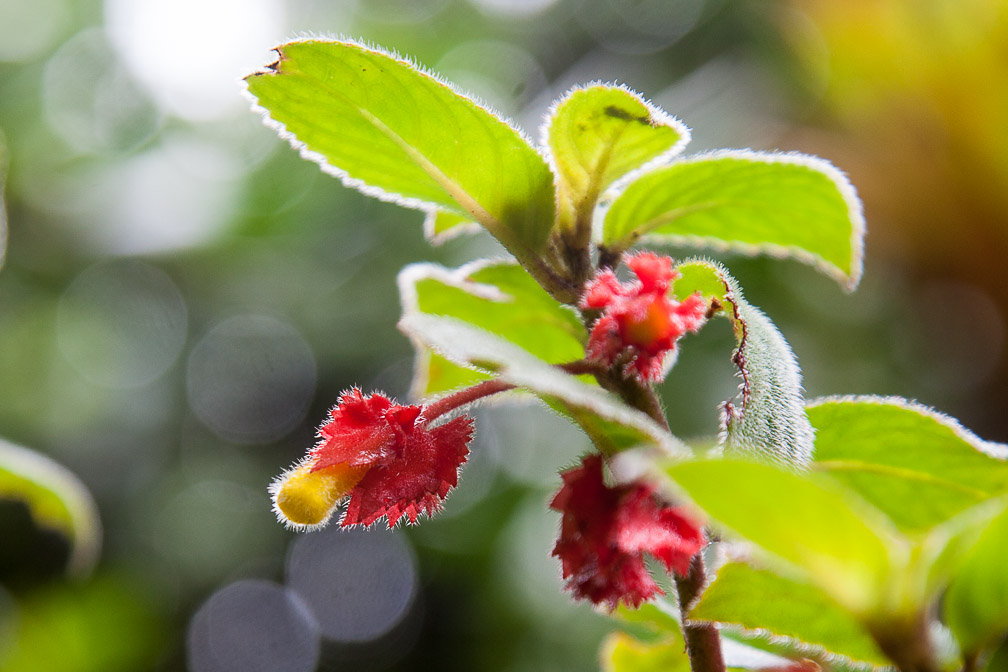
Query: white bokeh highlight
[(192, 53)]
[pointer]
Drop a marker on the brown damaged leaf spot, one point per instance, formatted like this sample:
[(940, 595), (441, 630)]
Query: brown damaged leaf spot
[(270, 69), (617, 113)]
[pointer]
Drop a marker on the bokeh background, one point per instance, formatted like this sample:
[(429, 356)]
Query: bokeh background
[(183, 298)]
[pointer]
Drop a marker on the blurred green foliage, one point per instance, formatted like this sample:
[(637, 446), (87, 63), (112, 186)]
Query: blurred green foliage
[(183, 297)]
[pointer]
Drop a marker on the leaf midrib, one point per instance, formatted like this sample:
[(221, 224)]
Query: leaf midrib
[(455, 190), (900, 472)]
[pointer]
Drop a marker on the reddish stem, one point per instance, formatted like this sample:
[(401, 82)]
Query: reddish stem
[(463, 397), (703, 642), (489, 388)]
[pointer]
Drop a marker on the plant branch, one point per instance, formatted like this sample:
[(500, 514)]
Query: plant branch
[(703, 642)]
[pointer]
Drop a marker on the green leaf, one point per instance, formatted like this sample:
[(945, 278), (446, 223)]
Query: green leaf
[(108, 624), (611, 424), (394, 131), (771, 420), (56, 500), (839, 543), (976, 604), (499, 297), (916, 465), (622, 653), (798, 617), (650, 621), (785, 205), (600, 133)]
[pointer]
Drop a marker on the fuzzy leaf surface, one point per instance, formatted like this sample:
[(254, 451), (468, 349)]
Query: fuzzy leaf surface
[(611, 424), (838, 542), (916, 465), (784, 205), (56, 500), (770, 421), (499, 297), (600, 133), (396, 132), (797, 616)]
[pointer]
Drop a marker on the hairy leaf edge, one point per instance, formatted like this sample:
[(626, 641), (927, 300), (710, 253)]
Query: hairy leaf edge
[(817, 652), (855, 213), (435, 238), (656, 114), (407, 280), (430, 209), (734, 296), (86, 535), (993, 449), (591, 398)]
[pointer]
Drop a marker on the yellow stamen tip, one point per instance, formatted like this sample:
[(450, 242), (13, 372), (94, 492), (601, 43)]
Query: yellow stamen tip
[(304, 498)]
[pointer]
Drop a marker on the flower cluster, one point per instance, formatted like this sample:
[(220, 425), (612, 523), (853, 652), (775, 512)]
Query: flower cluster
[(381, 455), (605, 531), (640, 320)]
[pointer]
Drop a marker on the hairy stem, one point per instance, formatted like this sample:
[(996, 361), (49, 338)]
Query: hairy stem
[(703, 643), (464, 397), (487, 388)]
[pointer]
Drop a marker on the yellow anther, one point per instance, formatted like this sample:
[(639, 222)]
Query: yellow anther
[(303, 498)]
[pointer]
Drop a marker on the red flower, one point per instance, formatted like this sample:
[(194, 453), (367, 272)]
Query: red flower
[(382, 456), (605, 531), (640, 318)]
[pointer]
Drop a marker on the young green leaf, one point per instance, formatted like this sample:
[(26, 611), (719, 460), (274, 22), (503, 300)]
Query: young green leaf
[(916, 465), (797, 617), (976, 604), (56, 499), (840, 543), (598, 134), (611, 424), (771, 421), (622, 653), (394, 131), (784, 205), (497, 296)]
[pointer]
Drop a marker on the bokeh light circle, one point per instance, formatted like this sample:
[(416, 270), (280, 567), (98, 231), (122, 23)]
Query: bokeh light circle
[(253, 626), (640, 26), (513, 8), (27, 29), (251, 378), (121, 324), (90, 99), (359, 584)]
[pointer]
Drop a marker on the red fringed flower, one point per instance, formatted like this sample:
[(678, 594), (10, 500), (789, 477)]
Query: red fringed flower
[(605, 531), (640, 318), (379, 454)]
